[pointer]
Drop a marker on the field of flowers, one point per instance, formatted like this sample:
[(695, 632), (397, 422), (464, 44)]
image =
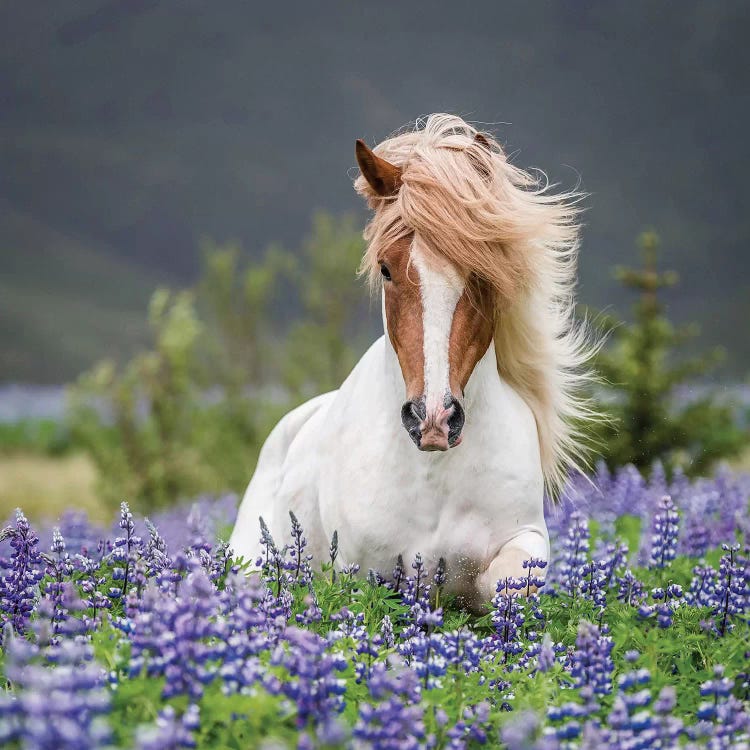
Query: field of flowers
[(151, 636)]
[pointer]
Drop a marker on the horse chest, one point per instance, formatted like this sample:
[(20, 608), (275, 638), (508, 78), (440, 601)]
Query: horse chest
[(438, 505)]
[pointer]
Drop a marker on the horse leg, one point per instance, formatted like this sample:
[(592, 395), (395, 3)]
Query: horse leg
[(508, 563)]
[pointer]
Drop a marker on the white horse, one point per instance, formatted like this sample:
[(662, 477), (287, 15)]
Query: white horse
[(469, 251)]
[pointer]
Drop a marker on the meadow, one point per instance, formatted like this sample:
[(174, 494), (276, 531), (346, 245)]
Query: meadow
[(150, 635)]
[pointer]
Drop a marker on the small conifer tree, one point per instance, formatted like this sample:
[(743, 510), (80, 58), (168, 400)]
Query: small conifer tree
[(642, 369)]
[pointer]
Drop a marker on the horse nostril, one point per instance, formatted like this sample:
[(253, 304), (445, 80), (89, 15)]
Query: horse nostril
[(413, 413), (455, 421)]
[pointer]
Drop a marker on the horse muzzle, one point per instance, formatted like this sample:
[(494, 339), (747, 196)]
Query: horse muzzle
[(436, 429)]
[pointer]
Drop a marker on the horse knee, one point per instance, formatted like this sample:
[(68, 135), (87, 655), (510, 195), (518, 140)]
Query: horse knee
[(508, 563)]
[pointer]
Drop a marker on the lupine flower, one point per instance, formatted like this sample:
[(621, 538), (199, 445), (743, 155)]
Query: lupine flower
[(193, 619), (59, 567), (546, 656), (471, 727), (126, 549), (60, 706), (630, 589), (398, 574), (732, 593), (170, 732), (177, 637), (18, 587), (569, 570), (591, 663), (314, 686), (302, 571), (508, 616), (666, 529)]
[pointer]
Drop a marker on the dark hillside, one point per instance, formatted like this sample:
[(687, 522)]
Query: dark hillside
[(130, 129)]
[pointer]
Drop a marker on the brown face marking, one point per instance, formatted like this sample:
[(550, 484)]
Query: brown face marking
[(471, 333), (403, 312)]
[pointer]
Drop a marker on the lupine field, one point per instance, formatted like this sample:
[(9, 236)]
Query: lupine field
[(149, 634)]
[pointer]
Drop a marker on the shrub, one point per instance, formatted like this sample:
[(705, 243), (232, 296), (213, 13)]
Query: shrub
[(642, 367)]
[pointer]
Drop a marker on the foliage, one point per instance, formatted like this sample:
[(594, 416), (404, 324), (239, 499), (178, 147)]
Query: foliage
[(642, 369), (189, 414), (48, 437), (157, 638), (325, 341)]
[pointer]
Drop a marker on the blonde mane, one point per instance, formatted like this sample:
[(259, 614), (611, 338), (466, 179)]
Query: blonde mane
[(498, 223)]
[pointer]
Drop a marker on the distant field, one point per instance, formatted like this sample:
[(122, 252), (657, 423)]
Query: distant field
[(44, 486)]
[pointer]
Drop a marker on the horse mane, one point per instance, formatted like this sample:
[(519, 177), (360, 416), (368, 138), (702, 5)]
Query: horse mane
[(497, 223)]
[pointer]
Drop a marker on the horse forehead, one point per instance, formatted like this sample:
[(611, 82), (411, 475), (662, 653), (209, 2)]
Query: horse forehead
[(435, 273)]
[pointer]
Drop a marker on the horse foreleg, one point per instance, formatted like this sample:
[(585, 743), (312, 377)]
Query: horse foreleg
[(508, 563)]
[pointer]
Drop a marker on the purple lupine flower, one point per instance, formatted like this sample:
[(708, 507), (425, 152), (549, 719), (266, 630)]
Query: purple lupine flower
[(593, 585), (178, 637), (392, 724), (302, 571), (723, 718), (546, 657), (508, 616), (667, 601), (575, 547), (333, 551), (79, 533), (398, 574), (312, 685), (386, 632), (567, 719), (702, 587), (155, 552), (471, 727), (394, 720), (731, 595), (247, 633), (59, 567), (591, 664), (523, 731), (125, 550), (59, 695), (611, 559), (18, 587), (666, 529), (169, 732), (630, 589)]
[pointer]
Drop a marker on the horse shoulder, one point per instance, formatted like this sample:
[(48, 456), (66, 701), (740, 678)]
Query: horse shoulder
[(263, 496)]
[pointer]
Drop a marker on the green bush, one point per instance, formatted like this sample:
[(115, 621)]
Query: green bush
[(48, 437), (642, 365), (190, 414)]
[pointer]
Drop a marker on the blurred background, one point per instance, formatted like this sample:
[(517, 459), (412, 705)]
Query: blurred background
[(179, 235)]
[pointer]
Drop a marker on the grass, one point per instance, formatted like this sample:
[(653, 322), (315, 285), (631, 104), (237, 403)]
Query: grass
[(46, 486)]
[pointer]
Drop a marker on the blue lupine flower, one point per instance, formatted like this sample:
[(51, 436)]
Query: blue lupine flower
[(60, 695), (666, 529), (18, 587), (569, 570), (591, 663)]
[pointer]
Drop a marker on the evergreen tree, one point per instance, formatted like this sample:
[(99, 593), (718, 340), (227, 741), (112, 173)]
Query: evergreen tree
[(642, 368)]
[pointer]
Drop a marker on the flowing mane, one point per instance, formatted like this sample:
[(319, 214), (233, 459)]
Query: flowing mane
[(500, 225)]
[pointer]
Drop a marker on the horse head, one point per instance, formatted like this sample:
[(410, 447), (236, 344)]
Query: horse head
[(439, 317)]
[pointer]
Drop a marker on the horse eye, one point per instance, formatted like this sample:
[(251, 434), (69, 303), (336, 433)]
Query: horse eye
[(386, 273)]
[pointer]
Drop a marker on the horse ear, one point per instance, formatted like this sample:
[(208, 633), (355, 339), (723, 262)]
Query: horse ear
[(480, 164), (481, 139), (382, 176)]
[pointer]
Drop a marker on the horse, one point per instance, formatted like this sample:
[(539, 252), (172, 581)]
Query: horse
[(448, 431)]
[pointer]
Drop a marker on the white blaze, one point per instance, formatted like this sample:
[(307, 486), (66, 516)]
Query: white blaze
[(441, 288)]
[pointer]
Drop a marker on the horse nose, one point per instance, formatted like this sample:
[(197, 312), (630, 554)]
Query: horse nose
[(455, 422), (436, 430), (413, 413)]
